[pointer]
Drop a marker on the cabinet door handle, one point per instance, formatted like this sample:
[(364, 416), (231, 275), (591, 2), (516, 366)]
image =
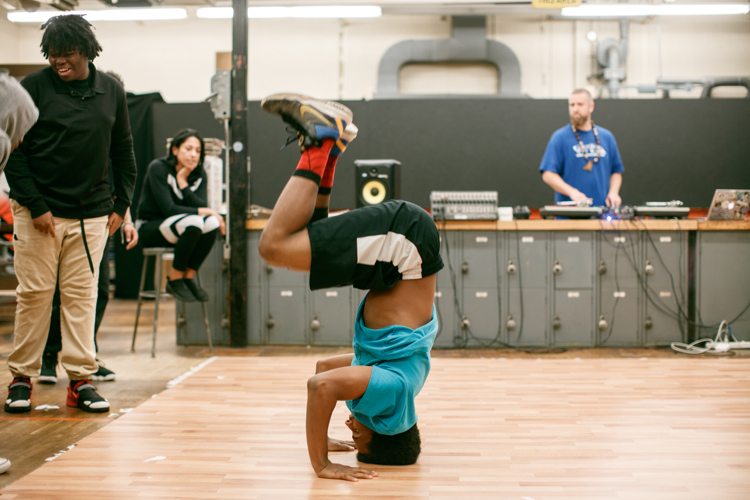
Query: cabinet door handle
[(556, 322), (511, 267), (557, 267), (464, 267), (315, 324), (511, 324), (270, 322), (649, 268), (602, 267), (602, 323)]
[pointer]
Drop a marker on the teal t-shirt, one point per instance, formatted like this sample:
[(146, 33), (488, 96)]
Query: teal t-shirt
[(400, 360)]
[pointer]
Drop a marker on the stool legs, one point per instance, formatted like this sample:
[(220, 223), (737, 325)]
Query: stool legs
[(138, 310), (157, 287)]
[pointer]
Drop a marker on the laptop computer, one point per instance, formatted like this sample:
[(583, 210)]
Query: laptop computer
[(729, 204)]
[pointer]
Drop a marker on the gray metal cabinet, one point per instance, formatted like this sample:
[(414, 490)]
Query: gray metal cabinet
[(445, 292), (285, 303), (446, 310), (482, 313), (573, 256), (665, 276), (331, 317), (286, 318), (618, 320), (531, 329), (723, 281), (527, 276), (480, 258), (572, 321), (573, 282), (618, 317), (480, 286), (191, 329)]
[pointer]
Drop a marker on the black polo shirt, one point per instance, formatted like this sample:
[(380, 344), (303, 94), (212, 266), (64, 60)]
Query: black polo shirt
[(63, 164)]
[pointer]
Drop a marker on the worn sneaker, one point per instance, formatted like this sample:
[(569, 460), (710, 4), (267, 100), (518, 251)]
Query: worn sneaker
[(19, 396), (4, 465), (83, 395), (198, 292), (103, 374), (349, 134), (49, 368), (179, 289), (313, 119)]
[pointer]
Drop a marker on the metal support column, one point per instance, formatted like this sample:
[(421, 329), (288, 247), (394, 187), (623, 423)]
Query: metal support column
[(238, 180)]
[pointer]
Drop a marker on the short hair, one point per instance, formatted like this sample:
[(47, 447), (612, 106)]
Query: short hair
[(70, 32), (583, 91), (399, 449), (182, 136)]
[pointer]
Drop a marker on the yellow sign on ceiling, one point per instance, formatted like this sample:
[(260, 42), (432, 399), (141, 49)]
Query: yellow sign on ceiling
[(555, 4)]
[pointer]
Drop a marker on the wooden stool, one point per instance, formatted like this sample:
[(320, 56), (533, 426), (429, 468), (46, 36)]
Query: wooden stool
[(158, 253)]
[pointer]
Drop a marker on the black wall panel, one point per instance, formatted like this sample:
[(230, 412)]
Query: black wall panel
[(671, 149)]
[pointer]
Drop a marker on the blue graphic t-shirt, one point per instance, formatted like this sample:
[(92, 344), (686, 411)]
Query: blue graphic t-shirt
[(564, 157), (400, 360)]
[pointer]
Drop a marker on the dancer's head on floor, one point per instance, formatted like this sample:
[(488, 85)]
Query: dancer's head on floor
[(187, 150), (382, 449)]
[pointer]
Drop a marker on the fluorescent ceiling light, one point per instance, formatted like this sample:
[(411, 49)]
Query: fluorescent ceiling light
[(325, 11), (101, 15), (647, 10)]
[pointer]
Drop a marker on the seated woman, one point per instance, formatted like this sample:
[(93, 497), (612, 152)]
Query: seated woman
[(173, 212)]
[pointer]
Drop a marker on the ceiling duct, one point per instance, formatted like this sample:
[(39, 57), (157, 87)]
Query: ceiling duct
[(469, 43)]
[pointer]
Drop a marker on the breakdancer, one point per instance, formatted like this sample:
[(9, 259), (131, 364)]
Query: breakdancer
[(392, 250)]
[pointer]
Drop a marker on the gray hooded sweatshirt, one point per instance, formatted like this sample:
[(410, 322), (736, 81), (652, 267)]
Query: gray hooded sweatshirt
[(17, 114)]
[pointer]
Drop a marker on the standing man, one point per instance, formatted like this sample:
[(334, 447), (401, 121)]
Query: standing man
[(582, 161), (63, 207)]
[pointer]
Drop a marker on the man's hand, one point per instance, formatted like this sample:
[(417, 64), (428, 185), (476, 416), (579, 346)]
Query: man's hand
[(613, 200), (338, 471), (336, 445), (45, 224), (578, 196), (114, 223), (222, 224), (131, 235)]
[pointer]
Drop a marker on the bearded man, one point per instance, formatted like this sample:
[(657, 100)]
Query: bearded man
[(582, 162)]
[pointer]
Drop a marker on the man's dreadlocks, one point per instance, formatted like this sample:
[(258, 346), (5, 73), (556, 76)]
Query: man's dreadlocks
[(70, 32)]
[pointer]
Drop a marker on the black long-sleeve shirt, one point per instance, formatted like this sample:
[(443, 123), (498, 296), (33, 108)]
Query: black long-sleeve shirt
[(63, 164), (162, 197)]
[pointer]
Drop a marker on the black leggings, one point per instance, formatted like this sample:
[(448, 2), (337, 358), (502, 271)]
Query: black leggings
[(191, 247)]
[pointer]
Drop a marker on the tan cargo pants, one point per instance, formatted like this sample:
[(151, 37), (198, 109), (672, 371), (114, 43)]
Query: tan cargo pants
[(40, 262)]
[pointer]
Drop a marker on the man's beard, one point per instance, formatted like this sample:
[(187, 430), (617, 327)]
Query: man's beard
[(579, 120)]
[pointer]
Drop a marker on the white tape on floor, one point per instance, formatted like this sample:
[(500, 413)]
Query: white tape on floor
[(194, 369)]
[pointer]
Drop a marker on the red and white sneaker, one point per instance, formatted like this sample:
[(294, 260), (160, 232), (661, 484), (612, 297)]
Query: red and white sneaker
[(19, 396), (83, 395)]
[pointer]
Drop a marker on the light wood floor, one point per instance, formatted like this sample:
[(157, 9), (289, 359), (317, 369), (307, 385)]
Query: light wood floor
[(492, 428)]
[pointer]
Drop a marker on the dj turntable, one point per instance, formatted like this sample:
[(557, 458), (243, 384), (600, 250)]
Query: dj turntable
[(572, 210)]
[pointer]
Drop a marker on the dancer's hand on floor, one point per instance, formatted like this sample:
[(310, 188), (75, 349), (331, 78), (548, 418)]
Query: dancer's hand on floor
[(337, 445), (338, 471)]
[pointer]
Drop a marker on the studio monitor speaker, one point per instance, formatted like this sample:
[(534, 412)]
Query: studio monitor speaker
[(376, 181)]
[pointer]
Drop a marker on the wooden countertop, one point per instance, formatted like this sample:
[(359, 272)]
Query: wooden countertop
[(576, 225)]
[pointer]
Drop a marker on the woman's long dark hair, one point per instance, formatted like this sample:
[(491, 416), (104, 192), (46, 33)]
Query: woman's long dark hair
[(182, 136)]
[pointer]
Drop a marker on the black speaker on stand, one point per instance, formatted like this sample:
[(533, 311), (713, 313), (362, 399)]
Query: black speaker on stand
[(377, 181)]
